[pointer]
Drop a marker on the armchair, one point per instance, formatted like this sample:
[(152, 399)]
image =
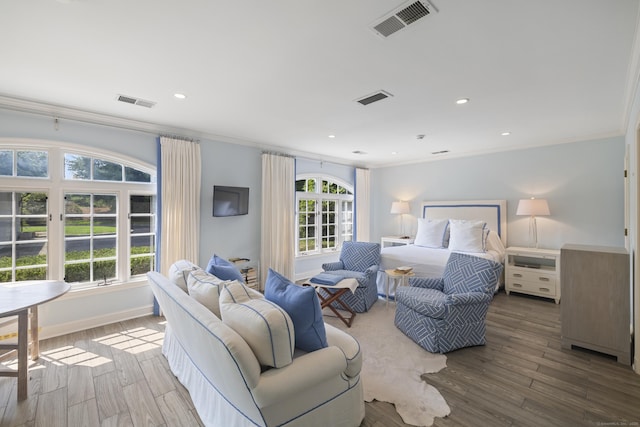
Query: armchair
[(447, 313), (358, 260)]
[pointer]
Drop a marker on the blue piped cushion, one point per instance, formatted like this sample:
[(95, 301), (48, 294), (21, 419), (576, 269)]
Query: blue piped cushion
[(223, 269), (303, 306)]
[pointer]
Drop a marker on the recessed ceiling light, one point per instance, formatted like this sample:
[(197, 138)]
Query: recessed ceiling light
[(505, 133), (180, 95), (421, 136), (332, 136), (394, 153), (359, 152), (462, 101)]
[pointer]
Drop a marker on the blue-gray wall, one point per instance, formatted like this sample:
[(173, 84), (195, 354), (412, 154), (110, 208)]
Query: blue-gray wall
[(582, 182)]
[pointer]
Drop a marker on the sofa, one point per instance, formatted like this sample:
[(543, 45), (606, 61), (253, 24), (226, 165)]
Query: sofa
[(230, 387)]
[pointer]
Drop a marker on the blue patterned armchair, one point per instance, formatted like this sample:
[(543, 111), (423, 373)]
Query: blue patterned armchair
[(358, 260), (447, 313)]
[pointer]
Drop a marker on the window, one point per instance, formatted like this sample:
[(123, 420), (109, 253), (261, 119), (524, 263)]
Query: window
[(84, 217), (324, 214)]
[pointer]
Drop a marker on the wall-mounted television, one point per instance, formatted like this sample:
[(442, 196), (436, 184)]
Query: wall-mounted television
[(230, 201)]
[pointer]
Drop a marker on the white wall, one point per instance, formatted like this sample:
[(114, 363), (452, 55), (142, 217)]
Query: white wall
[(582, 181)]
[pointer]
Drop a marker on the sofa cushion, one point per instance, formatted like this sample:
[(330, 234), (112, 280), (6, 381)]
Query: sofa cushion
[(224, 269), (178, 272), (267, 328), (303, 306), (205, 288)]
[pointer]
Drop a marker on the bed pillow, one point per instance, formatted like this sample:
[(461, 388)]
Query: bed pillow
[(266, 328), (205, 288), (303, 305), (179, 271), (224, 269), (467, 235), (494, 242), (431, 233)]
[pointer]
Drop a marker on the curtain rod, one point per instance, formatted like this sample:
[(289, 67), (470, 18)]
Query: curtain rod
[(180, 138)]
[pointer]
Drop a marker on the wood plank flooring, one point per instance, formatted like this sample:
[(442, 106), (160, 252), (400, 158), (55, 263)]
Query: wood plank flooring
[(116, 375)]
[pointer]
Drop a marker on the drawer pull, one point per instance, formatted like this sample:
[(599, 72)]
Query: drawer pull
[(543, 279), (544, 289), (517, 285), (517, 275)]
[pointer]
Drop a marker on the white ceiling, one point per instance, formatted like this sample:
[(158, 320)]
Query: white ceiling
[(285, 74)]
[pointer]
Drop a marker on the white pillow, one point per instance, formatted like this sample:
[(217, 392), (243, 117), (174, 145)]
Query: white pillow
[(265, 326), (178, 272), (431, 232), (494, 242), (467, 236), (205, 288)]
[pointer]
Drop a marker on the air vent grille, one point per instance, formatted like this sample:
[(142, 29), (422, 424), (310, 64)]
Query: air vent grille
[(439, 152), (401, 17), (135, 101), (374, 97)]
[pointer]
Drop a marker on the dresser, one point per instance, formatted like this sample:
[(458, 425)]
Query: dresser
[(595, 310)]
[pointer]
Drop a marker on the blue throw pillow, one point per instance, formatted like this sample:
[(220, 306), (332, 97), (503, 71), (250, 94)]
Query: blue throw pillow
[(303, 306), (223, 269)]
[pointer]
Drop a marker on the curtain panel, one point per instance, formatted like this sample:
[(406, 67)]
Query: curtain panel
[(362, 204), (179, 201), (278, 204)]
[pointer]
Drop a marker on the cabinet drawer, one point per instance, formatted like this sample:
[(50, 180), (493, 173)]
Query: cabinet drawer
[(537, 288), (533, 276)]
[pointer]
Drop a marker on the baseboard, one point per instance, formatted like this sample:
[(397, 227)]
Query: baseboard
[(94, 322)]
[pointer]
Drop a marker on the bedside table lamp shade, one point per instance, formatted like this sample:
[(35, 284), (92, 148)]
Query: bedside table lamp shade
[(533, 207), (400, 208)]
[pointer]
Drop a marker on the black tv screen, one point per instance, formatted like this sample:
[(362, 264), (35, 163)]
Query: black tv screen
[(230, 201)]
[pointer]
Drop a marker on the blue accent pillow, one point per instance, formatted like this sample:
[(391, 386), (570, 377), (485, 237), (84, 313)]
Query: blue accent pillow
[(303, 306), (223, 269)]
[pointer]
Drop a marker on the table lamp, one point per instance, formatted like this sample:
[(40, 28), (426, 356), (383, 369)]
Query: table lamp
[(400, 208), (533, 207)]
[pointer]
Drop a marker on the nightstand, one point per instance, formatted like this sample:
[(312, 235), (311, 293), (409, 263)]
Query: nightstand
[(533, 271), (395, 241)]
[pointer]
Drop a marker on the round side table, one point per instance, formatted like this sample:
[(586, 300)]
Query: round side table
[(396, 277)]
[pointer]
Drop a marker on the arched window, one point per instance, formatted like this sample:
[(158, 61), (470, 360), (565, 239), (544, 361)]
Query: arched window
[(324, 214), (75, 214)]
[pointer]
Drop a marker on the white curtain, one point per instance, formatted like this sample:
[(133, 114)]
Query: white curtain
[(180, 201), (363, 217), (278, 207)]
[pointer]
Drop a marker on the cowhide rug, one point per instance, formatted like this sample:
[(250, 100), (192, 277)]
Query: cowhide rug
[(393, 365)]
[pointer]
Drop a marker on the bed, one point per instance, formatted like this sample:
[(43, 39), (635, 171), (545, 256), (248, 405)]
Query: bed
[(427, 260)]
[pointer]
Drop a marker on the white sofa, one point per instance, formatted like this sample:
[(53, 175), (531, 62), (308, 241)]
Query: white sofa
[(228, 386)]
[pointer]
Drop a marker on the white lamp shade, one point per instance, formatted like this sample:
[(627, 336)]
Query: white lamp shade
[(533, 207), (400, 208)]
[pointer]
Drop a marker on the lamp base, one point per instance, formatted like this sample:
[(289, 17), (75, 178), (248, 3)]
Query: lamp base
[(533, 232)]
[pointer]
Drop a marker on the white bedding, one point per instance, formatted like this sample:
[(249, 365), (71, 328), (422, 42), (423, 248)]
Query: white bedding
[(426, 262)]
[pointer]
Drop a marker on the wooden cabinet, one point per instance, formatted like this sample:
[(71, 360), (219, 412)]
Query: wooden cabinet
[(533, 271), (595, 312)]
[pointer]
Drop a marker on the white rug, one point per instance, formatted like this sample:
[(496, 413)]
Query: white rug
[(393, 364)]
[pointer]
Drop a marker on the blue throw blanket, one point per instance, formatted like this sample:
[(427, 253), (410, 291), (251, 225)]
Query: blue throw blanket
[(326, 279)]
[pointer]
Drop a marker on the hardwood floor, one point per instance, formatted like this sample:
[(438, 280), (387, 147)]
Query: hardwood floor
[(116, 376)]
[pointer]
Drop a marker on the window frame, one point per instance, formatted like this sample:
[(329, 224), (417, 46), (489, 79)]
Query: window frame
[(56, 186), (319, 197)]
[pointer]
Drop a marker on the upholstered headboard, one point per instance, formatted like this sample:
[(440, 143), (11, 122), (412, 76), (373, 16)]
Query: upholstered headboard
[(493, 212)]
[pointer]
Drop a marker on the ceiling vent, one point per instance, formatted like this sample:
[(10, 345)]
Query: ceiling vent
[(135, 101), (435, 153), (401, 17), (374, 97)]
